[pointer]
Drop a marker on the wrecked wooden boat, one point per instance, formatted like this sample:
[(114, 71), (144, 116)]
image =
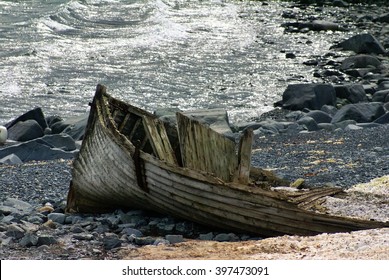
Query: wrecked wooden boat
[(131, 159)]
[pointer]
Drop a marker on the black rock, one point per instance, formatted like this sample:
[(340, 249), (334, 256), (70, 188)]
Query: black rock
[(362, 43), (15, 231), (74, 127), (362, 61), (25, 130), (384, 119), (46, 240), (35, 114), (352, 92), (28, 240), (309, 123), (380, 96), (111, 242), (360, 112), (319, 116), (38, 150), (132, 231), (311, 96)]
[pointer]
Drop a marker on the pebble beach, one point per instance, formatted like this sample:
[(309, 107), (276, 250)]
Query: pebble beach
[(292, 142)]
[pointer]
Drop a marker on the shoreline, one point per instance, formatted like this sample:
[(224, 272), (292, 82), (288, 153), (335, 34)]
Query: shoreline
[(337, 158)]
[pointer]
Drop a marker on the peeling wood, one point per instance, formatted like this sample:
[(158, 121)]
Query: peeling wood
[(107, 173), (206, 150)]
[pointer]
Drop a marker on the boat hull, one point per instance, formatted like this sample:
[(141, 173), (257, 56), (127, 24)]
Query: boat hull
[(110, 172)]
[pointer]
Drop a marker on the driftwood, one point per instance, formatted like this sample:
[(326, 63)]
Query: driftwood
[(119, 166)]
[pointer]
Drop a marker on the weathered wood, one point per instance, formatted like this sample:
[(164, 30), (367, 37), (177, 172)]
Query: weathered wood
[(206, 150), (244, 157), (104, 177), (159, 140)]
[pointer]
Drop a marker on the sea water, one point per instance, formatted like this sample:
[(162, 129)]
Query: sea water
[(152, 53)]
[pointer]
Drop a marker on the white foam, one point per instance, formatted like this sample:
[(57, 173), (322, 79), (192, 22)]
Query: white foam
[(56, 26)]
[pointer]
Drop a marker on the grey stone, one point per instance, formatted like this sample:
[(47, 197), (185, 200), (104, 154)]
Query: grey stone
[(60, 141), (29, 239), (161, 241), (294, 116), (311, 96), (270, 126), (384, 119), (206, 236), (111, 242), (15, 231), (46, 239), (132, 231), (25, 130), (360, 112), (11, 159), (309, 123), (165, 228), (380, 95), (35, 114), (368, 125), (141, 241), (352, 92), (362, 61), (9, 219), (326, 126), (362, 43), (76, 229), (35, 150), (35, 219), (222, 237), (83, 236), (173, 239), (74, 127), (319, 116), (22, 206), (342, 125), (383, 85), (57, 217), (330, 110), (351, 127)]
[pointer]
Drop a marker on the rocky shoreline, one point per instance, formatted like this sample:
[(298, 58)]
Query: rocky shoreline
[(328, 133)]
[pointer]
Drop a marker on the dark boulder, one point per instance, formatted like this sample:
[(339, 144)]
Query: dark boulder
[(384, 119), (362, 43), (360, 61), (311, 96), (360, 112), (354, 93), (39, 149), (319, 116), (74, 127), (25, 131), (380, 96), (309, 123), (35, 114)]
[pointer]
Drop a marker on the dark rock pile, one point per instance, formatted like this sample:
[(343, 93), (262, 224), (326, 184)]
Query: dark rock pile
[(57, 235), (32, 137)]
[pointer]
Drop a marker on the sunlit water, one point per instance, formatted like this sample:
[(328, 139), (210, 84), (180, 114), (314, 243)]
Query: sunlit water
[(153, 53)]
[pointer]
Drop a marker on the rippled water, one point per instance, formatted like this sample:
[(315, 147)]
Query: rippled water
[(153, 53)]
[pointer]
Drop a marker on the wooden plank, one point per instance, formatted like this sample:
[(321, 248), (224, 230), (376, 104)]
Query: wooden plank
[(159, 140), (244, 157), (206, 150), (124, 122)]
